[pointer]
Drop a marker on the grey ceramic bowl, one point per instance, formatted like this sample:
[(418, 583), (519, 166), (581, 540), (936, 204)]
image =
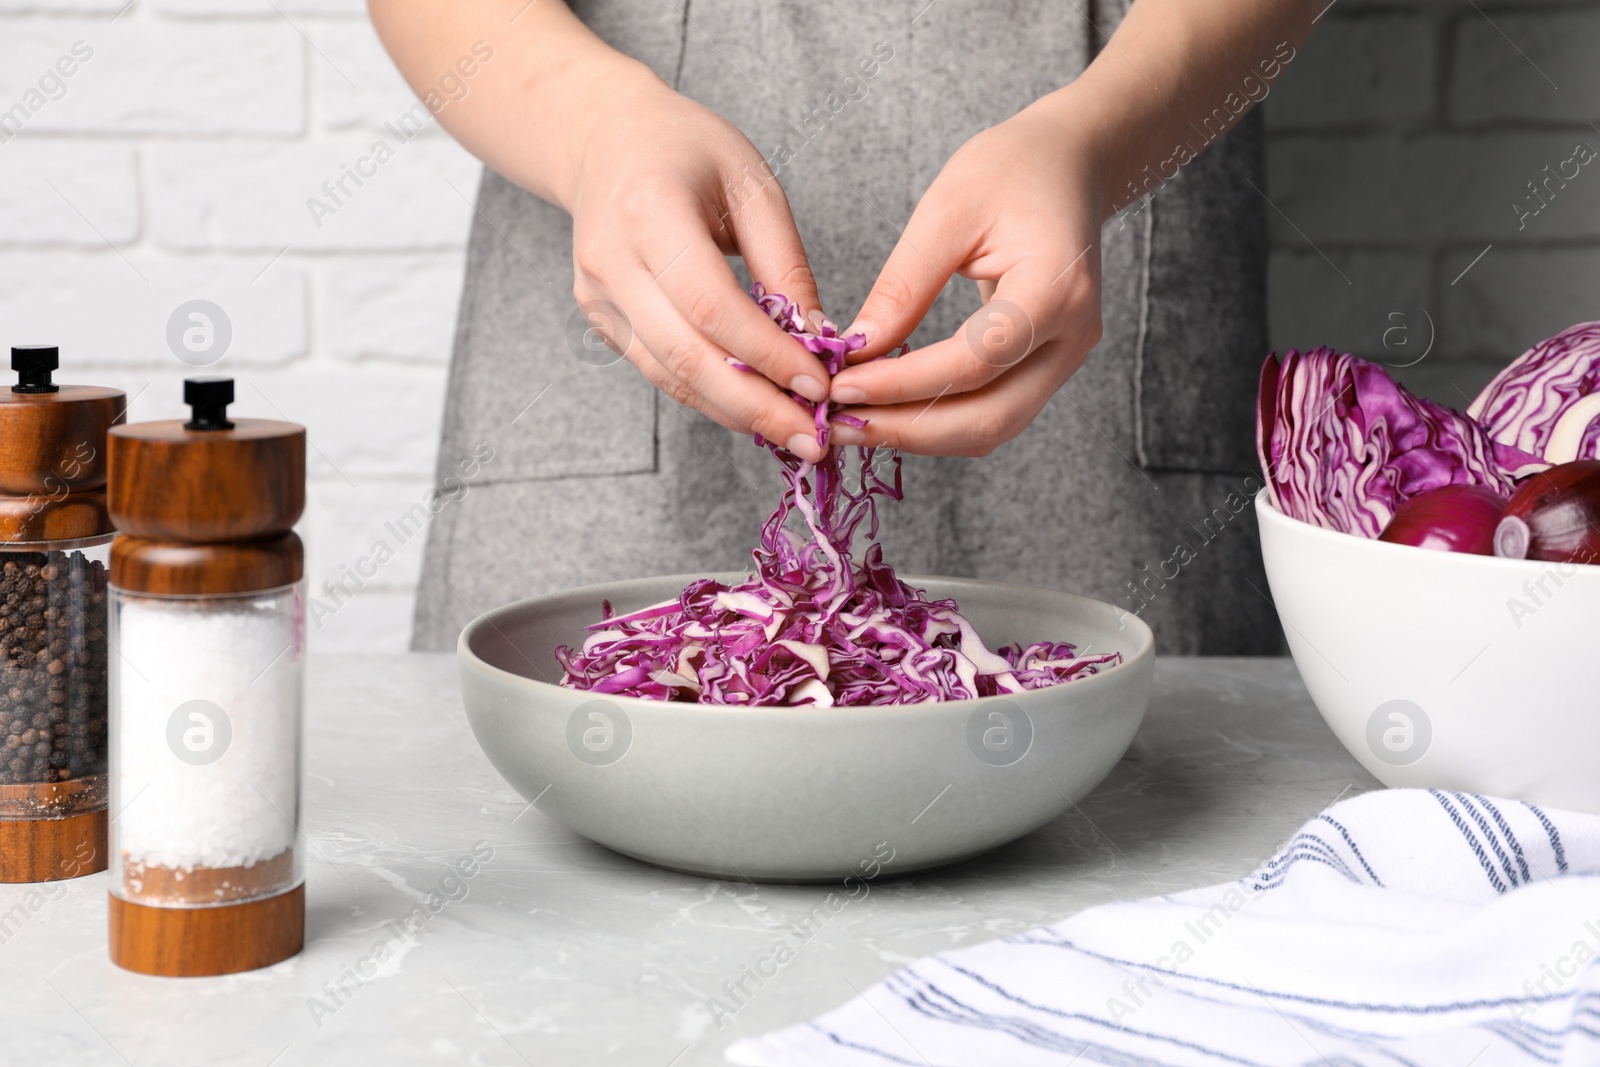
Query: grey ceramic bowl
[(802, 794)]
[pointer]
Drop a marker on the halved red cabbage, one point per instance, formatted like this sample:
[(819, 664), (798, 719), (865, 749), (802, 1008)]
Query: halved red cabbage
[(812, 626), (1548, 401), (1342, 444)]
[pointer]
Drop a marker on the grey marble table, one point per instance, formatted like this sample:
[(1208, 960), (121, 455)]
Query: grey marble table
[(556, 951)]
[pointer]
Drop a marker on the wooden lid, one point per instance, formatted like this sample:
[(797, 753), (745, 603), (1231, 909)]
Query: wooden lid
[(52, 437), (171, 483), (54, 517), (163, 568)]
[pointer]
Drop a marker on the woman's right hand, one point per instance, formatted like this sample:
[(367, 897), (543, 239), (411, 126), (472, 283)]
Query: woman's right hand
[(662, 191)]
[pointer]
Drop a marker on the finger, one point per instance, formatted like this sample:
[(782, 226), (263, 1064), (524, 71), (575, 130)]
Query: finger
[(929, 251), (658, 376), (764, 232), (742, 401), (1026, 310), (696, 279), (966, 424)]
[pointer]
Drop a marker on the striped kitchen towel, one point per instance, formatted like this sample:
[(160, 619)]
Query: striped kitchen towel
[(1402, 928)]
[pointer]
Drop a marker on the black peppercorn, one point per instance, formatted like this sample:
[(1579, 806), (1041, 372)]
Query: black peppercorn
[(52, 667)]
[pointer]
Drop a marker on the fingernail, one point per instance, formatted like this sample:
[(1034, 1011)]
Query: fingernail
[(840, 434), (847, 394), (864, 326), (805, 446), (810, 388)]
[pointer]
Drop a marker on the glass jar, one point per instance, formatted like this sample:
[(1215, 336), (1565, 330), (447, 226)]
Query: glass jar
[(205, 765), (53, 682), (207, 576), (55, 537)]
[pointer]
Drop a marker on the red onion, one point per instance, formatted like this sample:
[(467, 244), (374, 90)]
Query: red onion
[(1451, 518), (1554, 516)]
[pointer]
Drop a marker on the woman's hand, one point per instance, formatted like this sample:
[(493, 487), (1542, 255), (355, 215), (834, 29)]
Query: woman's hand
[(659, 189), (663, 190), (1019, 209)]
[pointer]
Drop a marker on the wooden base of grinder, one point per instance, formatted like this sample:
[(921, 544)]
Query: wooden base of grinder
[(48, 850), (196, 942)]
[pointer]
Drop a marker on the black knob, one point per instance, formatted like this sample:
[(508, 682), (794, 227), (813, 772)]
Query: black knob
[(208, 400), (34, 365)]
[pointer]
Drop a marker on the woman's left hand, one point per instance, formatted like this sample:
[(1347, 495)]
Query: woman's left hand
[(1018, 208)]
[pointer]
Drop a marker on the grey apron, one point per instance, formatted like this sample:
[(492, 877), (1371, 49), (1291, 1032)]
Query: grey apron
[(1129, 487)]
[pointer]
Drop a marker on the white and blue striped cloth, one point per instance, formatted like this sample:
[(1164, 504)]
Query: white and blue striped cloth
[(1402, 928)]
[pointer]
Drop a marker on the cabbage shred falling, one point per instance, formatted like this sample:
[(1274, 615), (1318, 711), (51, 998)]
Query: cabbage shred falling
[(813, 626)]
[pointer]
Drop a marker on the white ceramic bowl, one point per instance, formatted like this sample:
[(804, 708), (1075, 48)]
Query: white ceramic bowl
[(1443, 669), (802, 794)]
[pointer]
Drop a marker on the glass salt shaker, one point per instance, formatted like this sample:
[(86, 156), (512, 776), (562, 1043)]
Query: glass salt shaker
[(207, 622), (55, 534)]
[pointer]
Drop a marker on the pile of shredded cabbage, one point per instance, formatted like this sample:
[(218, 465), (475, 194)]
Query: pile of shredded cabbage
[(812, 626)]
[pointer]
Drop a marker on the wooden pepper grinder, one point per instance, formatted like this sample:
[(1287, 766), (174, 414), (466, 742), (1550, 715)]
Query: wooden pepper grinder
[(207, 876), (54, 542)]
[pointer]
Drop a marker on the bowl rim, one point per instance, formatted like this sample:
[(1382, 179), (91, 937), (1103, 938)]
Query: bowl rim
[(1132, 661), (1267, 512)]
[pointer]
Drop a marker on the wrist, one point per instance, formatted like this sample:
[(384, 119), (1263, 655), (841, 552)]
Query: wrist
[(614, 90), (1079, 134)]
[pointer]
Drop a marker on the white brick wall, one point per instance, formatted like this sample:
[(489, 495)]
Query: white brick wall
[(174, 164), (1398, 141)]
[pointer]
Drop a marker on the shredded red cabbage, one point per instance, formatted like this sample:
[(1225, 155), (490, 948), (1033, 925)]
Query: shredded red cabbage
[(1548, 400), (812, 626), (1342, 445)]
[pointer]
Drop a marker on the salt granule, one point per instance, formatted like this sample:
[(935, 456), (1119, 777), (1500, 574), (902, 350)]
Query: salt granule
[(244, 658)]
